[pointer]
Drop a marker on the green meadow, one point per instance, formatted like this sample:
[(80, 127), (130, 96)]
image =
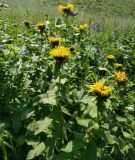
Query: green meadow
[(111, 13)]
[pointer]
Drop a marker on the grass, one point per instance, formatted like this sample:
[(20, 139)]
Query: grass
[(118, 14), (96, 8)]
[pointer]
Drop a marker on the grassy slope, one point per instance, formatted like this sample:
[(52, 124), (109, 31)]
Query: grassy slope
[(111, 12)]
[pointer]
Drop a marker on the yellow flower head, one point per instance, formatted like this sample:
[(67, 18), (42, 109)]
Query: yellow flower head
[(60, 52), (118, 65), (82, 27), (100, 89), (61, 8), (121, 77), (111, 57), (66, 8), (71, 7), (54, 39), (40, 26)]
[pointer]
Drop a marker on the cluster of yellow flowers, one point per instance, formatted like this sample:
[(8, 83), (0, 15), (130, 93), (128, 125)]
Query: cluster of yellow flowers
[(40, 26), (54, 39), (100, 89), (121, 77), (60, 52), (66, 8), (111, 57), (81, 27)]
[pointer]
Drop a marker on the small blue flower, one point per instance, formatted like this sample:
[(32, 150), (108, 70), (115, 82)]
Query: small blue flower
[(52, 34), (23, 51)]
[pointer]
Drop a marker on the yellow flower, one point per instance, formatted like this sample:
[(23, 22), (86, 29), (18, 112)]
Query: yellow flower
[(111, 57), (60, 52), (121, 77), (71, 7), (54, 39), (100, 89), (118, 65), (66, 8), (40, 26), (61, 8), (81, 27)]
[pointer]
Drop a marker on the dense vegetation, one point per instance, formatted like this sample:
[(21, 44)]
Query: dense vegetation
[(67, 88)]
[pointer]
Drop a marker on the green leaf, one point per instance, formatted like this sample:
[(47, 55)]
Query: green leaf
[(111, 138), (127, 135), (75, 145), (91, 108), (36, 151), (27, 83), (50, 96), (103, 69), (83, 122), (95, 126), (64, 110), (121, 119), (3, 148), (77, 95), (43, 126), (68, 148), (93, 111), (107, 103)]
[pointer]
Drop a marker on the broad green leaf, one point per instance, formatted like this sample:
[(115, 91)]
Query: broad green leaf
[(127, 135), (62, 81), (107, 103), (85, 99), (74, 146), (83, 122), (36, 151), (93, 111), (121, 119), (68, 148), (27, 83), (49, 97), (91, 108), (95, 126), (111, 138), (43, 126), (77, 95)]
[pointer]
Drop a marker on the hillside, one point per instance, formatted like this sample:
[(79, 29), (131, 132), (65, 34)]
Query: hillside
[(110, 12)]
